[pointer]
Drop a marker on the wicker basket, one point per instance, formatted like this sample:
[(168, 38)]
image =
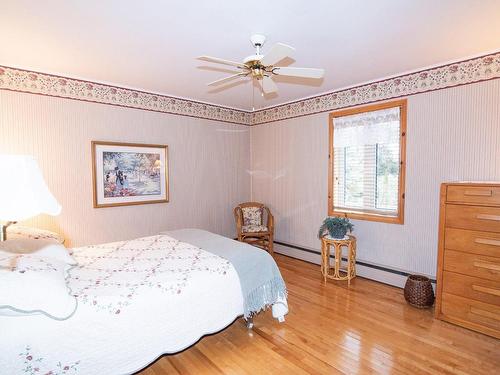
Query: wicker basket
[(418, 291)]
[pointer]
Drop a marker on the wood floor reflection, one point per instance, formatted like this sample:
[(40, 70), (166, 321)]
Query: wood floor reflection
[(331, 329)]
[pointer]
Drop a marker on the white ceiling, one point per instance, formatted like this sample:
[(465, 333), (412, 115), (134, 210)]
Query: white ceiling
[(152, 45)]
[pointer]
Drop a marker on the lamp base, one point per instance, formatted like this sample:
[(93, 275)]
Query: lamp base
[(3, 230)]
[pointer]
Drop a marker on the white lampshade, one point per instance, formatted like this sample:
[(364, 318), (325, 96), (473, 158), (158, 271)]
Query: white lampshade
[(23, 192)]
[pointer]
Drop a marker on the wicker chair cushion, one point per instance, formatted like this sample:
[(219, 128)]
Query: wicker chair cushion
[(252, 216), (253, 228)]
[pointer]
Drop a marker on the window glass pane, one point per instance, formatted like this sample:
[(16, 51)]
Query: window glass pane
[(387, 176), (354, 167)]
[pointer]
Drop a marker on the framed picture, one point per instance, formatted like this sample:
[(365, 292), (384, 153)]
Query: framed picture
[(129, 173)]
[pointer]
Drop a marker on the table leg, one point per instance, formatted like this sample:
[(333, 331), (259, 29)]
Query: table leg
[(354, 259), (338, 258), (349, 253), (323, 263)]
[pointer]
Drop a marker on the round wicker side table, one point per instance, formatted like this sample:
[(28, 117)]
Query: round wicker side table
[(337, 272)]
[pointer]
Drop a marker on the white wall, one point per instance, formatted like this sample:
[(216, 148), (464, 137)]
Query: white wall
[(453, 134), (209, 164)]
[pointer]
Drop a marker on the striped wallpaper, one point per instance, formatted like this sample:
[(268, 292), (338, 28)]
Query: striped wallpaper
[(209, 163), (453, 134)]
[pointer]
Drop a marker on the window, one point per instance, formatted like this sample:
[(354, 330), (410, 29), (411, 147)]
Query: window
[(367, 169)]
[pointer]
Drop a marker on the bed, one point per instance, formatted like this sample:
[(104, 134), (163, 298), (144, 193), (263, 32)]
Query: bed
[(137, 300)]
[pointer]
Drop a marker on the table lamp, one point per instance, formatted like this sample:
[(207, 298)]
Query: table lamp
[(23, 192)]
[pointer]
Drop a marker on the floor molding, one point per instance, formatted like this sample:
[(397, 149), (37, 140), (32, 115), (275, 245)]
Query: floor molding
[(383, 274)]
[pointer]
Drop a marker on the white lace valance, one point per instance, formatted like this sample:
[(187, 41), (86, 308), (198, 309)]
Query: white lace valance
[(377, 127)]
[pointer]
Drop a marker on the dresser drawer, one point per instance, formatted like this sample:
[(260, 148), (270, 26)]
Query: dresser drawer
[(472, 287), (486, 219), (485, 243), (481, 266), (480, 195), (477, 315)]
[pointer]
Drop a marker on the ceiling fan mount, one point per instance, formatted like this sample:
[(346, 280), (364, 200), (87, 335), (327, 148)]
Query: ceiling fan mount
[(252, 62), (262, 68), (258, 40)]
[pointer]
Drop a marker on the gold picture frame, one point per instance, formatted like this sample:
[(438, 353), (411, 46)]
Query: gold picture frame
[(126, 174)]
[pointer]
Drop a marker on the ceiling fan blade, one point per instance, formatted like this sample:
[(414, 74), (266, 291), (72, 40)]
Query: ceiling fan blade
[(268, 86), (300, 72), (226, 79), (220, 61), (277, 53)]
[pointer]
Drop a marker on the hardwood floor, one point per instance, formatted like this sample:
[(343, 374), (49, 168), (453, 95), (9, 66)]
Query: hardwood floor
[(331, 329)]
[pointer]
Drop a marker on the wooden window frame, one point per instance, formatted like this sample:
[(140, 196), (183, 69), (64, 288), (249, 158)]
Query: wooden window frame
[(366, 215)]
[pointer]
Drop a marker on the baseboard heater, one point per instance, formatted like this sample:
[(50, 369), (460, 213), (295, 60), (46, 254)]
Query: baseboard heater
[(358, 262)]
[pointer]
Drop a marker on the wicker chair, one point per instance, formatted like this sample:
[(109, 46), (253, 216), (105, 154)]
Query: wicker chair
[(250, 226)]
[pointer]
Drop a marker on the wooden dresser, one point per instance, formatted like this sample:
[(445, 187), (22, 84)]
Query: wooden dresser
[(468, 273)]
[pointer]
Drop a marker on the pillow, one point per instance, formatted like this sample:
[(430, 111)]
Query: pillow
[(19, 231), (40, 248), (252, 215), (35, 285)]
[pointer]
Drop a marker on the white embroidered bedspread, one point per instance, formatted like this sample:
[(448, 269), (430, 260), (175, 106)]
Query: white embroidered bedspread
[(137, 300)]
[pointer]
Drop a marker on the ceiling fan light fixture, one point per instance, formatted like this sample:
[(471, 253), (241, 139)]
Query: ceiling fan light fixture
[(258, 72), (263, 67)]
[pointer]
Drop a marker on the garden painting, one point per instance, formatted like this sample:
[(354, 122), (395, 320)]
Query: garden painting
[(126, 173), (131, 174)]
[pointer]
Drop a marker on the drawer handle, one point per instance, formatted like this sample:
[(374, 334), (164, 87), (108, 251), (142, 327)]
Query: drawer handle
[(480, 193), (487, 241), (484, 289), (488, 217), (489, 266), (487, 314)]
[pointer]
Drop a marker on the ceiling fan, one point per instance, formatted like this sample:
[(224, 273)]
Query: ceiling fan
[(263, 67)]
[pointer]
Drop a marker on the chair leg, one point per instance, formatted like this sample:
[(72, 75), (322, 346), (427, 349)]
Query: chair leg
[(271, 245)]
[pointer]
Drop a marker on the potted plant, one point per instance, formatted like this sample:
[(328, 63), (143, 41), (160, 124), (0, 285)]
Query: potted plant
[(336, 227)]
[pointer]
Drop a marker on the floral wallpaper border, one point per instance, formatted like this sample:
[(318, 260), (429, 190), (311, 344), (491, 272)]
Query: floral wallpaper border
[(51, 85), (453, 74)]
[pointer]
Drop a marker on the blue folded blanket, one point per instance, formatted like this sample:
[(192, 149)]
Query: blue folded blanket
[(260, 278)]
